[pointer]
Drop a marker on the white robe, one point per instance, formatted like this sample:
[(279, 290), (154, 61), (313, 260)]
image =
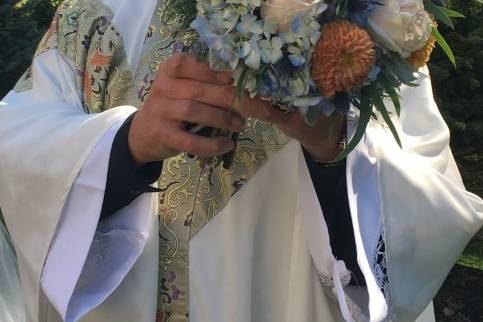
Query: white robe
[(53, 168)]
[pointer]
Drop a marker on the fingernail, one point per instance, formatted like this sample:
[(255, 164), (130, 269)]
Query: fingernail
[(228, 146)]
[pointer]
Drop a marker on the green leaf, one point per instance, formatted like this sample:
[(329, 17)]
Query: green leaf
[(400, 68), (454, 14), (392, 92), (412, 85), (364, 118), (240, 86), (444, 45), (385, 115), (438, 13)]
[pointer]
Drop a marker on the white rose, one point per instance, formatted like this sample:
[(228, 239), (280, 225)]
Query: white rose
[(402, 26), (283, 11)]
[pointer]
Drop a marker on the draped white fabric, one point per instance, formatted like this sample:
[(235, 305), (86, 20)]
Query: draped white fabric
[(75, 231), (428, 216), (46, 138), (11, 302), (73, 281)]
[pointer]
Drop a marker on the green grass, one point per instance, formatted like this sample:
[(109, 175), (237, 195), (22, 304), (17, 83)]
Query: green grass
[(472, 257)]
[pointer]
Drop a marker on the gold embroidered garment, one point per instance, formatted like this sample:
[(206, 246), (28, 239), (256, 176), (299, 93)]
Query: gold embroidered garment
[(191, 196)]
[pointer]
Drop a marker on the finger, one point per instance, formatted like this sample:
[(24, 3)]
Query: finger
[(211, 94), (204, 114), (263, 110), (195, 144), (187, 66)]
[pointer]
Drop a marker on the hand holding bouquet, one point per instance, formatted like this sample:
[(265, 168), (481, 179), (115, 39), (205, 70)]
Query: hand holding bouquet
[(319, 57)]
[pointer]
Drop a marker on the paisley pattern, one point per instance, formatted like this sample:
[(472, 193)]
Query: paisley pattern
[(190, 195), (82, 32), (25, 82)]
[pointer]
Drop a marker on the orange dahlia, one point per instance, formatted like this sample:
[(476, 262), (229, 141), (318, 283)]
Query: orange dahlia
[(342, 58), (420, 57)]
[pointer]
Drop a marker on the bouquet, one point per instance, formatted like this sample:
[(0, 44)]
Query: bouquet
[(317, 57)]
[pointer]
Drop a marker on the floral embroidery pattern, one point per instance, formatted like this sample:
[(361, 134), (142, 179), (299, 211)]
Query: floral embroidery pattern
[(82, 32), (191, 196)]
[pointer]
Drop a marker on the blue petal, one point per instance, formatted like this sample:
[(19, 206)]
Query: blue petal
[(271, 81), (314, 37), (287, 37), (326, 106), (265, 50), (215, 42), (284, 70), (372, 76), (296, 60), (244, 49), (322, 7), (247, 26), (297, 25), (277, 55), (200, 24), (253, 59), (249, 18), (277, 42), (307, 101)]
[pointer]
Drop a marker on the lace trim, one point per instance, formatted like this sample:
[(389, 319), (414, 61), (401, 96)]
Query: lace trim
[(380, 272), (329, 281), (355, 310)]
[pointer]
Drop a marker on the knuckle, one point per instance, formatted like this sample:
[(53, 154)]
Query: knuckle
[(219, 147), (189, 143), (186, 109), (211, 148), (154, 133), (208, 148), (196, 91), (160, 85), (231, 122), (175, 65), (170, 140), (268, 114), (228, 94)]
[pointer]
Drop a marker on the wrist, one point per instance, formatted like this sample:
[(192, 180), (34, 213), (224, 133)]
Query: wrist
[(138, 158), (142, 149), (135, 150), (326, 150), (323, 153)]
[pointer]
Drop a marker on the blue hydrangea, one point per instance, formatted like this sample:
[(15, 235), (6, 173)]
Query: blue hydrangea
[(361, 10), (238, 38)]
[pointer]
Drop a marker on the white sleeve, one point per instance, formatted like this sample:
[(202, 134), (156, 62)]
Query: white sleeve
[(414, 199), (87, 261), (46, 138)]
